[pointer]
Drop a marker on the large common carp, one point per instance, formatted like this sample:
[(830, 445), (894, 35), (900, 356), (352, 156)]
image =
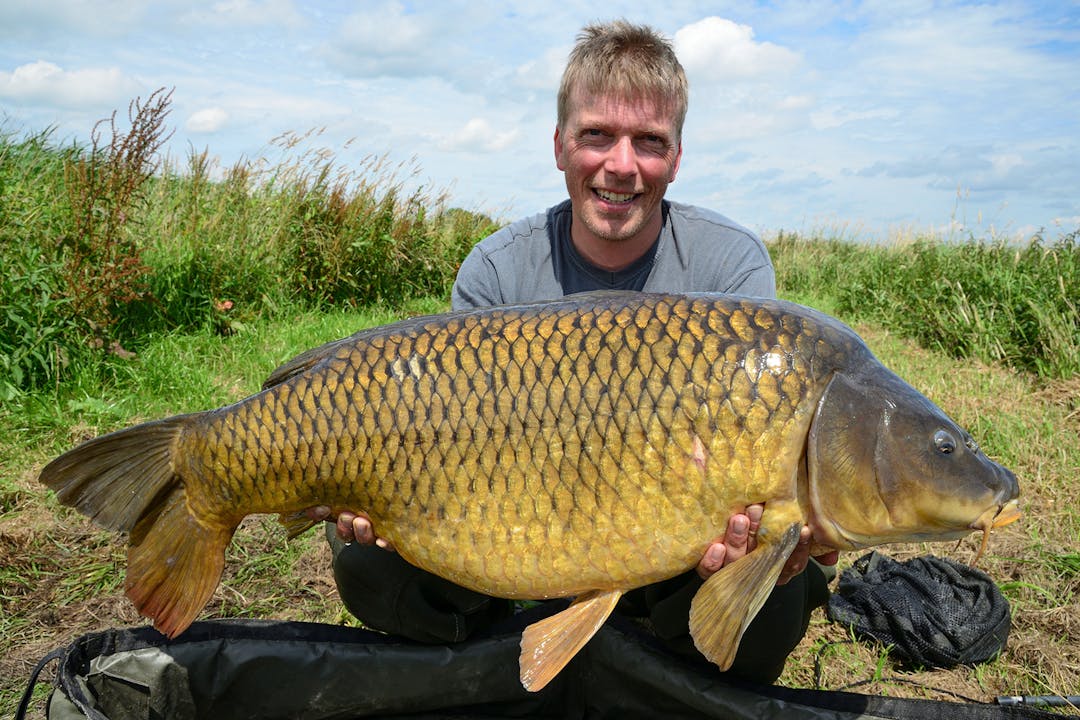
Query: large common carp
[(581, 447)]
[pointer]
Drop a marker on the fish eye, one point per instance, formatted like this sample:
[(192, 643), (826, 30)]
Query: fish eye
[(944, 442)]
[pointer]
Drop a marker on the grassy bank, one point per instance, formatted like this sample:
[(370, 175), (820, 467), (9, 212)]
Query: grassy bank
[(990, 300), (108, 245)]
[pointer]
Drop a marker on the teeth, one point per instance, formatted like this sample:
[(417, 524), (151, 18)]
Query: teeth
[(615, 197)]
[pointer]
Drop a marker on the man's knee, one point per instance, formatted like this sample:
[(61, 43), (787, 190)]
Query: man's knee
[(388, 594)]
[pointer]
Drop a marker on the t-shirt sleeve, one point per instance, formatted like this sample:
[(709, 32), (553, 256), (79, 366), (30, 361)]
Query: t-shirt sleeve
[(477, 282), (708, 252), (754, 280)]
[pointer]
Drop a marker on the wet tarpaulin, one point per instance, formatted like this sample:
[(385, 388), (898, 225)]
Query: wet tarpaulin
[(262, 669)]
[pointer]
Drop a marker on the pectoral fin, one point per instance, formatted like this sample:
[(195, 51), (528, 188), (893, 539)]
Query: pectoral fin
[(296, 523), (727, 602), (547, 645)]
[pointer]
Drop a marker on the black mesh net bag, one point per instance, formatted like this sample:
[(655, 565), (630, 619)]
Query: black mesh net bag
[(933, 612)]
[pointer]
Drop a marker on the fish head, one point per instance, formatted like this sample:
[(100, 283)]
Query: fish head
[(884, 464)]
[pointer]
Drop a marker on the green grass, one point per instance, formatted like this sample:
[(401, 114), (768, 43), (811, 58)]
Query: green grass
[(106, 247), (991, 300)]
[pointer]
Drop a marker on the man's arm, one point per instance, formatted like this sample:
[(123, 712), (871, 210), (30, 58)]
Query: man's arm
[(477, 282), (759, 281)]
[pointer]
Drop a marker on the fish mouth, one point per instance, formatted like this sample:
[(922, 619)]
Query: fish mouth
[(995, 516), (1007, 513)]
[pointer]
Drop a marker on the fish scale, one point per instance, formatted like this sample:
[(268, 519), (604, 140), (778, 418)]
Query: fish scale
[(581, 447)]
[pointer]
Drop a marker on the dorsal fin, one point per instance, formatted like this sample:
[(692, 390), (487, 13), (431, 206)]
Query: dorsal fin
[(304, 362)]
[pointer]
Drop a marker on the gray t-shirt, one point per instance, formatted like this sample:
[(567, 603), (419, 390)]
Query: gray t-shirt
[(533, 259)]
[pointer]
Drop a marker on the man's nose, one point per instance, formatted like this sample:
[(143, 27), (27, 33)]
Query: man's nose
[(621, 158)]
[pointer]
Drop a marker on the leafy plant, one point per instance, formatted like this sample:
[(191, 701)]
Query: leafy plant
[(102, 260)]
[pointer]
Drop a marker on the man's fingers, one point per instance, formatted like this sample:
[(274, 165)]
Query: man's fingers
[(713, 560), (737, 537), (317, 513), (753, 514), (362, 530), (728, 549), (343, 527), (829, 558), (356, 527)]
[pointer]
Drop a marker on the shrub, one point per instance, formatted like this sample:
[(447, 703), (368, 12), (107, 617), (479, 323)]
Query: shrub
[(35, 331)]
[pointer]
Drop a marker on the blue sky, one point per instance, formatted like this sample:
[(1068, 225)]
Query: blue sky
[(878, 119)]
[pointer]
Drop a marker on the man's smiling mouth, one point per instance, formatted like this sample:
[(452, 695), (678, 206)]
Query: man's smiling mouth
[(614, 197)]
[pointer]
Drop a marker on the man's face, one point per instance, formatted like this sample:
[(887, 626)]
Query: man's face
[(619, 156)]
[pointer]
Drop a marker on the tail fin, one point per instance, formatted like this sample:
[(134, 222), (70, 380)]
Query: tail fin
[(125, 481)]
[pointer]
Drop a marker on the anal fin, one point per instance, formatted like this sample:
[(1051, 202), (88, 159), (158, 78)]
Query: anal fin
[(174, 563), (548, 645), (724, 606)]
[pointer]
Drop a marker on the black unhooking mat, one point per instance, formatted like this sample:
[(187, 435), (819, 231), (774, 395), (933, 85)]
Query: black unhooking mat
[(930, 611), (261, 669)]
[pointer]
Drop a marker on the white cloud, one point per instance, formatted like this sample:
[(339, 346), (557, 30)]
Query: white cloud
[(404, 42), (719, 50), (545, 72), (46, 83), (966, 49), (207, 120), (477, 135), (396, 44), (827, 118), (46, 20), (246, 13), (870, 109)]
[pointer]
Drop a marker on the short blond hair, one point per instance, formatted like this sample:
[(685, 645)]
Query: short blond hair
[(628, 61)]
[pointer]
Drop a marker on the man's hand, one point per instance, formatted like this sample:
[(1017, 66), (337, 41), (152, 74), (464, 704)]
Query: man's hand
[(741, 537), (350, 526)]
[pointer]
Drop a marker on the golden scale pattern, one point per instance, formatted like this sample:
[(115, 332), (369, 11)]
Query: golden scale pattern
[(585, 442)]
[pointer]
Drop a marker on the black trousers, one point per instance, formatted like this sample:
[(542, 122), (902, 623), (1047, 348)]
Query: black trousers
[(388, 594)]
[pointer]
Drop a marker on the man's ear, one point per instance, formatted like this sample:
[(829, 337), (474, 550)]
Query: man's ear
[(675, 167), (558, 149)]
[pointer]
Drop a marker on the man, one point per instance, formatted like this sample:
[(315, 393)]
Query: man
[(621, 107)]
